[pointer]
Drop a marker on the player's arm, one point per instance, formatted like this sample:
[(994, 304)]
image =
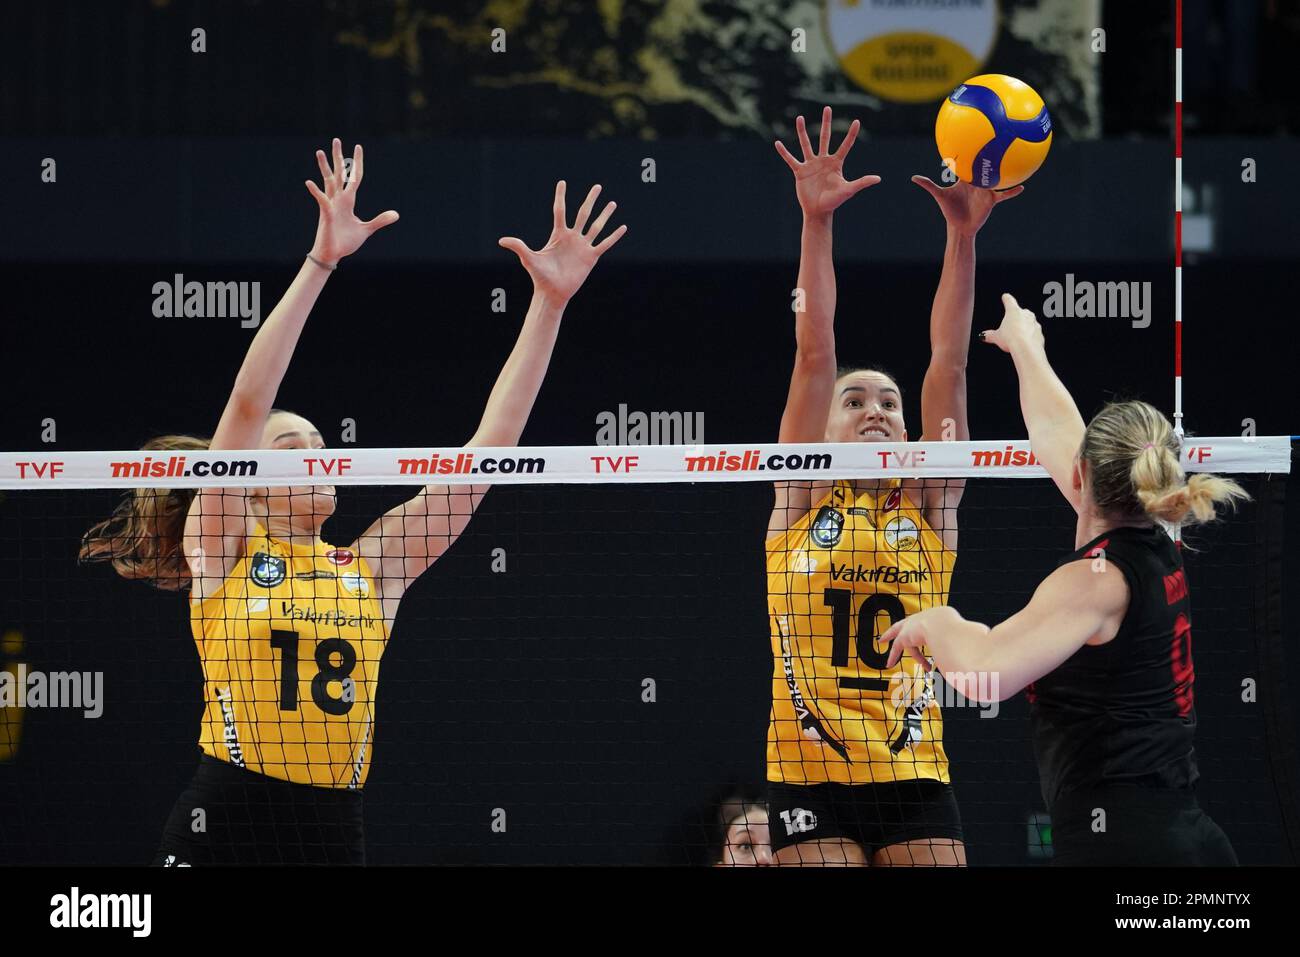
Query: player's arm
[(217, 518), (1051, 415), (1072, 605), (965, 209), (411, 537), (821, 188)]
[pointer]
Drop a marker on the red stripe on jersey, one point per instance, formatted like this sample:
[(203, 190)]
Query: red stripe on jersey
[(1175, 587), (1180, 655)]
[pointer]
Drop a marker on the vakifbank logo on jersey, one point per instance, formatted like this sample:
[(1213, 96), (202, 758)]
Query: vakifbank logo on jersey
[(911, 51)]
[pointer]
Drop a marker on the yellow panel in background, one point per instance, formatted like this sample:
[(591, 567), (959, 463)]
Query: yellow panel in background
[(909, 67), (11, 719)]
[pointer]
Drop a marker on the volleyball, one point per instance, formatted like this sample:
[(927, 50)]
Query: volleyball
[(993, 131)]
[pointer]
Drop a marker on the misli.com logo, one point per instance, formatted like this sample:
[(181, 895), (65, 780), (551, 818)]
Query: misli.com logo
[(174, 466), (1002, 458), (752, 460), (464, 464)]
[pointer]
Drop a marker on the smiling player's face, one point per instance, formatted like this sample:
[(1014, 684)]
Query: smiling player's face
[(305, 506), (866, 407)]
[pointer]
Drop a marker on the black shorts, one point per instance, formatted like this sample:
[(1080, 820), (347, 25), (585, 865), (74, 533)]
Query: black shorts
[(1136, 827), (249, 818), (873, 815)]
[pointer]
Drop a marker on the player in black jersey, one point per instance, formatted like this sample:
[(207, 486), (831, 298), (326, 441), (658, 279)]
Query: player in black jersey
[(1106, 658)]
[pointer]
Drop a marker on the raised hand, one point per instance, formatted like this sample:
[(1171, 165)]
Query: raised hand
[(559, 268), (819, 180), (1019, 327), (965, 207), (339, 232)]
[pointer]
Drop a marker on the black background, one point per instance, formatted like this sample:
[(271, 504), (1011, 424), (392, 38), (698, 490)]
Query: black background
[(522, 691)]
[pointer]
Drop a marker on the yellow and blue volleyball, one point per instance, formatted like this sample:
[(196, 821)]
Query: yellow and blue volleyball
[(993, 131)]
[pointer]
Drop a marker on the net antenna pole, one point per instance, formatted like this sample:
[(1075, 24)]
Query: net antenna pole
[(1178, 230)]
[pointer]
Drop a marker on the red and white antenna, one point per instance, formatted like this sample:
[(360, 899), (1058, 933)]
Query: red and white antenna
[(1178, 219)]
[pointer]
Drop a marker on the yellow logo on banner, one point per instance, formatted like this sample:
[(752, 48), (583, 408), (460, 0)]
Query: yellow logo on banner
[(911, 51)]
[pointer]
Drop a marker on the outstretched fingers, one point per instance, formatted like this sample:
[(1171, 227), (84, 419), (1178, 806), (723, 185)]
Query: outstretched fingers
[(515, 245), (557, 208), (358, 169), (386, 218), (338, 163), (326, 174), (824, 139), (1002, 195), (849, 138), (784, 153), (862, 182), (801, 128), (321, 199), (604, 245), (929, 185), (600, 222), (584, 211)]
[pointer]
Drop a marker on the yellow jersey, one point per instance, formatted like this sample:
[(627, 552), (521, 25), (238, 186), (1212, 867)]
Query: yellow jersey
[(836, 580), (290, 646)]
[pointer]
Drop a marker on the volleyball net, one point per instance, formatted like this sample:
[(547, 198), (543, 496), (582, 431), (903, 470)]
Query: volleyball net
[(590, 668)]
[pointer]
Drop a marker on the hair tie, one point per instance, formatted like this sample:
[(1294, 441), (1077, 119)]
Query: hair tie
[(1149, 445)]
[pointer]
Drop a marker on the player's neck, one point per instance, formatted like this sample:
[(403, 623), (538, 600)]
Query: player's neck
[(282, 530), (874, 486), (1091, 525)]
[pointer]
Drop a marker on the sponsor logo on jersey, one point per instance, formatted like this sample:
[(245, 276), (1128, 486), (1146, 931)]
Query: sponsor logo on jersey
[(230, 731), (314, 574), (901, 533), (828, 526), (893, 501), (881, 574), (810, 727), (339, 556), (267, 570), (330, 616), (355, 583)]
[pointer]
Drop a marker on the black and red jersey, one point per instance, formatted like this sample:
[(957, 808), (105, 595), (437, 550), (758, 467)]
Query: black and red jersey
[(1122, 713)]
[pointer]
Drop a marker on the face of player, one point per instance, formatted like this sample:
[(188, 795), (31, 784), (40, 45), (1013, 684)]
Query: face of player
[(748, 841), (303, 508), (866, 407)]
